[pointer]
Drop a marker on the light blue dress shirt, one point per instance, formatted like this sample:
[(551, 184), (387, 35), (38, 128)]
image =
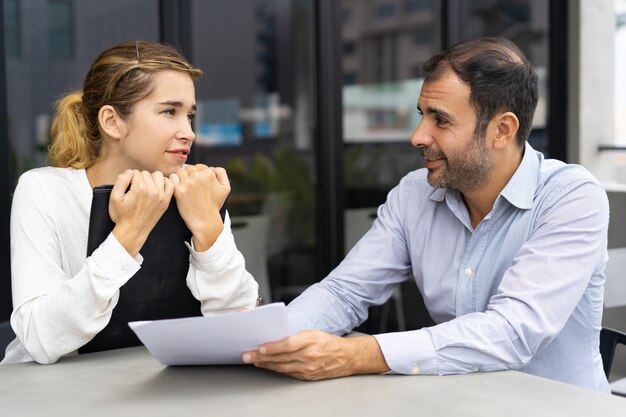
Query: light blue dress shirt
[(524, 290)]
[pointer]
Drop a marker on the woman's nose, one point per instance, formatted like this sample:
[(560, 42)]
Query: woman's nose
[(186, 132)]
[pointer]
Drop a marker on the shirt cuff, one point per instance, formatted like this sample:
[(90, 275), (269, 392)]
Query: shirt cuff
[(114, 262), (409, 353)]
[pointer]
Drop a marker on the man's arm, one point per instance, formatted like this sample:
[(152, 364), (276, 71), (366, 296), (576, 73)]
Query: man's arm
[(314, 355)]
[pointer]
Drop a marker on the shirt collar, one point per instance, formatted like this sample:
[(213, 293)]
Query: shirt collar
[(520, 190)]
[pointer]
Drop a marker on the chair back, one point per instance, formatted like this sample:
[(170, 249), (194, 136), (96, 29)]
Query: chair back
[(6, 336), (251, 237)]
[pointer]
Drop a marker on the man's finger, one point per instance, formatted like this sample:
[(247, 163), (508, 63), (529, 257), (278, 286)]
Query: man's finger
[(286, 345)]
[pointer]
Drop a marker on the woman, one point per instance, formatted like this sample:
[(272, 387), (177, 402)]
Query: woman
[(131, 126)]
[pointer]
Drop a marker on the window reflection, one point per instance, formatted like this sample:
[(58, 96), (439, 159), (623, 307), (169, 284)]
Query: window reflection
[(256, 118), (50, 55)]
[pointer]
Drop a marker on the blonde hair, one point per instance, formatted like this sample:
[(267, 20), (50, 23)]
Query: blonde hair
[(120, 77)]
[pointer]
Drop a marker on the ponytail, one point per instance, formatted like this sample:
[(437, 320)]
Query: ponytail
[(70, 144)]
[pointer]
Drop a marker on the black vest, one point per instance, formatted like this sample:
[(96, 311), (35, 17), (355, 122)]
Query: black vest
[(159, 289)]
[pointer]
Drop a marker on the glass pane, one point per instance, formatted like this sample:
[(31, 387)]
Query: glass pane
[(256, 118), (12, 27), (36, 78), (525, 22), (60, 42), (385, 43)]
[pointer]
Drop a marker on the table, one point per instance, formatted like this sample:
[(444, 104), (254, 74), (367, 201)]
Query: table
[(130, 382)]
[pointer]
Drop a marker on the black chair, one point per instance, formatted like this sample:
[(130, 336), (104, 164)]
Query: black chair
[(609, 339), (6, 336)]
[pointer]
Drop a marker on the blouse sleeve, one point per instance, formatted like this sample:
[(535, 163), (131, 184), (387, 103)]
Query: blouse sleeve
[(55, 313), (218, 276)]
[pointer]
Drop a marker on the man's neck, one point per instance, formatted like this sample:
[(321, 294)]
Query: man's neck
[(479, 202)]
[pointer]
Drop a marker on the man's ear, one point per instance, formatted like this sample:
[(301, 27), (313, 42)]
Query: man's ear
[(110, 122), (505, 127)]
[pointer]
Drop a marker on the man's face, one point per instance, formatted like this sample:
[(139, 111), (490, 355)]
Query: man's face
[(455, 157)]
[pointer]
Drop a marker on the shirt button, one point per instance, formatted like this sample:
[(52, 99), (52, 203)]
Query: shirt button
[(415, 370), (468, 271), (124, 270)]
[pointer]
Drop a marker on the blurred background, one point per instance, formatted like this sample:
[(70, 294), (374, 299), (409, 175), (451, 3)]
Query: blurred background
[(309, 105)]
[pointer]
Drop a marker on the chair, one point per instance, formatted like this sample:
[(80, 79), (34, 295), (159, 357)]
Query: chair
[(6, 336), (356, 223), (251, 234), (614, 301), (609, 339)]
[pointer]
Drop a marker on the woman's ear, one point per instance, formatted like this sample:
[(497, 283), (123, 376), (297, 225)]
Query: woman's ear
[(506, 125), (110, 122)]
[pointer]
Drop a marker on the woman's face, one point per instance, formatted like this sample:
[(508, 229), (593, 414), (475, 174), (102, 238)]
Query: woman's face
[(158, 134)]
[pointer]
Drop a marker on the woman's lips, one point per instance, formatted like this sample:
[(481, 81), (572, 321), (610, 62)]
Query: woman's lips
[(179, 153)]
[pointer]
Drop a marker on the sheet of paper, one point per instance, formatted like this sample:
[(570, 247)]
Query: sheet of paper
[(215, 340)]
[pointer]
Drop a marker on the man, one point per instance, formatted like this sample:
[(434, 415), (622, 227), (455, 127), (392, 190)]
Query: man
[(508, 249)]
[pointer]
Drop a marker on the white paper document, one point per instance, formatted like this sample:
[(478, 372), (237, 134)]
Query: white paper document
[(215, 340)]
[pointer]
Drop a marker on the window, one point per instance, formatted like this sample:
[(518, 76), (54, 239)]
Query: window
[(385, 10), (418, 5), (349, 48), (349, 78), (12, 28), (60, 30), (620, 72), (422, 37)]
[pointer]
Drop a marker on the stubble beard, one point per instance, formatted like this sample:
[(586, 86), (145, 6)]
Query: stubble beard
[(466, 172)]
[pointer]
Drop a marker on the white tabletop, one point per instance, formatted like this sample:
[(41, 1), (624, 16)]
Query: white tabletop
[(130, 382)]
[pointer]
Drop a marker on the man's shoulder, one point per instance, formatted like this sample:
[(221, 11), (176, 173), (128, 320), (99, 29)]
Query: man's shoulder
[(555, 173)]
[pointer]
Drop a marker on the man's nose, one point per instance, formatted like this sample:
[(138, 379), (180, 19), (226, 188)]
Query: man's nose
[(421, 137)]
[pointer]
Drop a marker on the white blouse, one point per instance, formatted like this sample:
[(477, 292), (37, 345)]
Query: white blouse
[(61, 298)]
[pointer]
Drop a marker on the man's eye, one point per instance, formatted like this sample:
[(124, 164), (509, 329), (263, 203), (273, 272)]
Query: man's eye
[(440, 121)]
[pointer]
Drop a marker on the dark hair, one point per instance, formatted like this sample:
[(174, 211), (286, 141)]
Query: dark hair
[(499, 76), (120, 76)]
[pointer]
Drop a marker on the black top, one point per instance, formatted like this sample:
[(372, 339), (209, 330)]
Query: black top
[(159, 289)]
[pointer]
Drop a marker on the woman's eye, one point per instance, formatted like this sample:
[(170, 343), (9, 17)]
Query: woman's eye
[(191, 117), (170, 111)]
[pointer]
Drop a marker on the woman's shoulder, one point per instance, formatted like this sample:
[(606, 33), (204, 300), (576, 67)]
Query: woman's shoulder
[(51, 180), (48, 176)]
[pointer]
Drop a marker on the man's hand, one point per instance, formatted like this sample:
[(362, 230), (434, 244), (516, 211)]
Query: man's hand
[(314, 355)]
